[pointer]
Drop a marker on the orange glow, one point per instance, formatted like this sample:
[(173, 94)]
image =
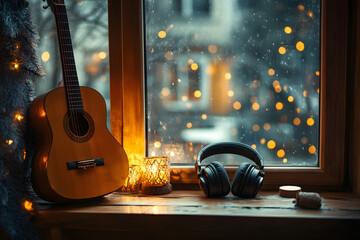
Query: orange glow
[(305, 93), (18, 117), (304, 140), (228, 76), (287, 30), (230, 93), (42, 113), (28, 205), (271, 144), (310, 14), (184, 98), (297, 121), (275, 83), (237, 105), (255, 127), (189, 125), (317, 73), (284, 160), (277, 89), (271, 72), (197, 93), (253, 146), (301, 7), (212, 48), (9, 142), (24, 154), (262, 141), (310, 121), (312, 149), (280, 153), (204, 116), (298, 110), (267, 126), (282, 50), (255, 106), (279, 105), (45, 56), (14, 66), (162, 34), (165, 92), (290, 98), (194, 66), (157, 144), (300, 46)]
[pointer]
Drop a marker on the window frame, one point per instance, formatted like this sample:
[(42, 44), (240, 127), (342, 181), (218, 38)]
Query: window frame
[(126, 55)]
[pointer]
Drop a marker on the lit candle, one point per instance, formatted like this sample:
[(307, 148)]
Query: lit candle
[(156, 175)]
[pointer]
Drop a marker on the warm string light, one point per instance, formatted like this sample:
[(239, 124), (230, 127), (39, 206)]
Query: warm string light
[(28, 205)]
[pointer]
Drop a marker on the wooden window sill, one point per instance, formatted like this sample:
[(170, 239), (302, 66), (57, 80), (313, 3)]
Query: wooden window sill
[(187, 214)]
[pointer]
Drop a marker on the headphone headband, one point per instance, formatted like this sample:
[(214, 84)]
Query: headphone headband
[(232, 148)]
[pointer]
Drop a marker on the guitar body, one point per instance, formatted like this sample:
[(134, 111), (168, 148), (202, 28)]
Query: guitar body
[(59, 173)]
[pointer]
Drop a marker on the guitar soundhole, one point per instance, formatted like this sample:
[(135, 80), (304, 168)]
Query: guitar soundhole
[(79, 126)]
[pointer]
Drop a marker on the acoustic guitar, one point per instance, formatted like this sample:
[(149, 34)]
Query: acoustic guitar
[(76, 156)]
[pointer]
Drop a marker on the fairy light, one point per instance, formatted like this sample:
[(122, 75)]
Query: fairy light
[(255, 127), (296, 121), (285, 160), (45, 56), (18, 117), (255, 106), (290, 98), (267, 126), (280, 153), (287, 30), (212, 48), (271, 72), (262, 141), (279, 106), (317, 73), (282, 50), (204, 116), (310, 121), (24, 154), (102, 55), (237, 105), (253, 146), (312, 149), (9, 142), (271, 144), (162, 34), (189, 125), (197, 93), (28, 205), (230, 93), (228, 76), (194, 66), (157, 144), (300, 46)]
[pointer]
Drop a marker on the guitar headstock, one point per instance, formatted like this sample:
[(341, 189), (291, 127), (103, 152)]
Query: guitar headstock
[(52, 3)]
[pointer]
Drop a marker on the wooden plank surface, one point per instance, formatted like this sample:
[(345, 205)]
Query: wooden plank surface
[(189, 214)]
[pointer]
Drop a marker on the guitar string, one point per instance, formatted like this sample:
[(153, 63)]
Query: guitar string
[(62, 22), (76, 116)]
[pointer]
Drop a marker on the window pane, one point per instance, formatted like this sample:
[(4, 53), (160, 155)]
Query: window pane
[(88, 20), (233, 70)]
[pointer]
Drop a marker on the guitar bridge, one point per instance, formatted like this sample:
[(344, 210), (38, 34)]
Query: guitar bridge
[(84, 164)]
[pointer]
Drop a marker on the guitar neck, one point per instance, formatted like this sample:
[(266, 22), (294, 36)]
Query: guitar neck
[(71, 83)]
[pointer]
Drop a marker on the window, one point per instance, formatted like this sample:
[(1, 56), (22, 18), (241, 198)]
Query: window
[(88, 25), (246, 72), (128, 109)]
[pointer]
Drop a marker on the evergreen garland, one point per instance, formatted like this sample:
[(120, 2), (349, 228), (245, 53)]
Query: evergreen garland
[(19, 68)]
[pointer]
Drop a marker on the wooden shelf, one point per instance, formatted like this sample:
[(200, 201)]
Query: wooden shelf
[(187, 214)]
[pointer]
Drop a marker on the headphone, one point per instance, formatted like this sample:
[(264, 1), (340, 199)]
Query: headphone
[(214, 181)]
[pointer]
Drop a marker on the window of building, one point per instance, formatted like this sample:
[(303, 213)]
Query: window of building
[(248, 72), (130, 64)]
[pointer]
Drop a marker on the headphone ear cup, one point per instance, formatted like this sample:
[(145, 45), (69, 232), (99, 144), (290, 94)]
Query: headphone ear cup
[(247, 181), (239, 179), (215, 180)]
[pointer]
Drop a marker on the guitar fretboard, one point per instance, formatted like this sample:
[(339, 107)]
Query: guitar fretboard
[(71, 83)]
